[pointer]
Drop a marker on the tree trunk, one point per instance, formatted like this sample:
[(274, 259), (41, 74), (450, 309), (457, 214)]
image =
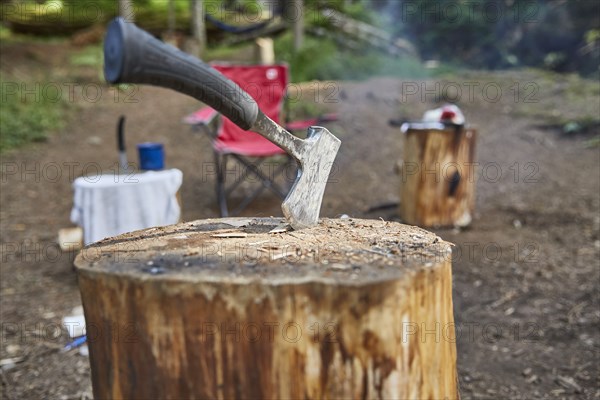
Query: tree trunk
[(198, 27), (264, 52), (126, 10), (171, 18), (225, 309), (293, 12), (438, 176)]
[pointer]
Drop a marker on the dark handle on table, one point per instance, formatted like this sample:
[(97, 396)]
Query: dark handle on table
[(132, 55), (121, 134)]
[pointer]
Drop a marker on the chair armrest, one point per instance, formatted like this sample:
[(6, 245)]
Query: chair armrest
[(307, 123), (203, 116), (330, 117)]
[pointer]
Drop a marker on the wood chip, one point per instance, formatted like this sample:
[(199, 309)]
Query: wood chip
[(230, 235), (281, 229), (379, 252), (340, 266), (192, 252), (236, 222), (259, 242), (9, 362), (532, 379), (278, 256), (511, 294), (568, 383)]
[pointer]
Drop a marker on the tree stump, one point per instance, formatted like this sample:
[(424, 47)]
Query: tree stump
[(225, 309), (438, 175)]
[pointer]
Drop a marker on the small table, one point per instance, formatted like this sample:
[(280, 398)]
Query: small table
[(109, 205)]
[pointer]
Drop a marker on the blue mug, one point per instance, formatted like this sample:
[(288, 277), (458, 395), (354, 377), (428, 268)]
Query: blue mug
[(152, 156)]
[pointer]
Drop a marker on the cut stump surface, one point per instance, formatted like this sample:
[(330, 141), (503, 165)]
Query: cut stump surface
[(223, 308)]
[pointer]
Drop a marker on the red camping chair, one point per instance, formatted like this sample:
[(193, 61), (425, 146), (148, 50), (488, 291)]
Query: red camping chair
[(267, 85)]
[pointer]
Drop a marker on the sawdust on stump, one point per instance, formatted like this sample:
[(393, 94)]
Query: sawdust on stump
[(226, 308)]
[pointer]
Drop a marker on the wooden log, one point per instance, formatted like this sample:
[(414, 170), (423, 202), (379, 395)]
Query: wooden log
[(264, 52), (198, 27), (376, 37), (224, 309), (438, 175)]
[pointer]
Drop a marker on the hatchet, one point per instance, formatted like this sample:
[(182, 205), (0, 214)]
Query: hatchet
[(132, 55)]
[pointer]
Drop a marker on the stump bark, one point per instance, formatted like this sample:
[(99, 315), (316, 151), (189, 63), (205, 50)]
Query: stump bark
[(225, 309), (438, 175)]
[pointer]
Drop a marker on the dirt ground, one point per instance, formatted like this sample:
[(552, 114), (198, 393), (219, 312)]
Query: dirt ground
[(526, 272)]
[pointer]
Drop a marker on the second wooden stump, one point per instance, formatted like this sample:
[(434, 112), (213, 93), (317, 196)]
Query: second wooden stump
[(438, 175), (224, 309)]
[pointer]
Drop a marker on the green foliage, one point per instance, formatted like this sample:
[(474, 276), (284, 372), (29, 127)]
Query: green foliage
[(90, 56), (592, 36), (360, 10), (457, 31), (304, 109), (593, 142), (5, 33), (323, 59), (499, 34), (26, 118), (154, 14), (63, 16)]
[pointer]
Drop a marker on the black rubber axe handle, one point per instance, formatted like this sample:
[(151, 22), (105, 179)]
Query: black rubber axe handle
[(132, 55)]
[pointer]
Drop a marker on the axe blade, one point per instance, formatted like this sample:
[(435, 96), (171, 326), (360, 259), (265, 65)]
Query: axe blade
[(316, 155)]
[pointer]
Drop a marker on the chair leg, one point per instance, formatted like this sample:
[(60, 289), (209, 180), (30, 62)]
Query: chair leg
[(266, 181), (248, 170), (251, 168), (221, 163), (247, 200)]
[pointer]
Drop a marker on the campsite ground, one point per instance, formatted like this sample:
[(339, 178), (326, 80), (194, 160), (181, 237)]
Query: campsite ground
[(526, 271)]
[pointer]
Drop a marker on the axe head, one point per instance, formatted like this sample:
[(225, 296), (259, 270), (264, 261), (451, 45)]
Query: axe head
[(315, 156)]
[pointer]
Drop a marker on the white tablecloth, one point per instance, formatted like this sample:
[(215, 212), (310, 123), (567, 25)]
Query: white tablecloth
[(109, 205)]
